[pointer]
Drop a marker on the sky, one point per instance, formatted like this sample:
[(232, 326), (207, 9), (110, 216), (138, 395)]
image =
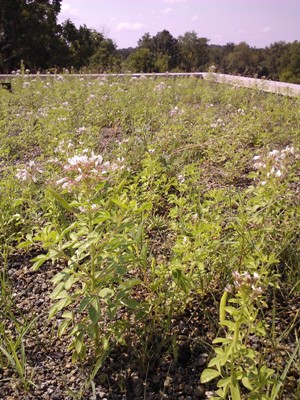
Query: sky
[(256, 22)]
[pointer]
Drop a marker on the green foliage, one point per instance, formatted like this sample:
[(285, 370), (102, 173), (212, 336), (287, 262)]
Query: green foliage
[(240, 367), (145, 195)]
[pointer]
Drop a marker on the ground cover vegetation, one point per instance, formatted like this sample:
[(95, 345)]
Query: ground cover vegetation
[(29, 31), (149, 240)]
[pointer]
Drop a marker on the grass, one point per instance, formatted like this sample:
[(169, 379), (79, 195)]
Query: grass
[(197, 180)]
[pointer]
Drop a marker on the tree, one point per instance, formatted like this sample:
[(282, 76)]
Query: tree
[(164, 44), (275, 59), (141, 60), (193, 51), (242, 60), (290, 64), (104, 58), (29, 32), (146, 42)]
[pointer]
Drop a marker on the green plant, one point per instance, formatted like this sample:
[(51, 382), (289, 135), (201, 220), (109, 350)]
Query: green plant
[(12, 346), (240, 367)]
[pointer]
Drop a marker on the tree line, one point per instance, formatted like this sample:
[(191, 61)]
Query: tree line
[(29, 31)]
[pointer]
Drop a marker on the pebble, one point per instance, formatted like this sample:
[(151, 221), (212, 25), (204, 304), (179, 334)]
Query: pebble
[(199, 392)]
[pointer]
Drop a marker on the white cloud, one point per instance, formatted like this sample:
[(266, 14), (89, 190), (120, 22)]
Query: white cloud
[(266, 29), (127, 26), (194, 17), (68, 11), (166, 11)]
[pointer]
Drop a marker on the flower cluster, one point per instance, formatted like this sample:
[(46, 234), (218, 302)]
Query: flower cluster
[(160, 86), (219, 122), (84, 168), (244, 282), (29, 173), (274, 163), (175, 111)]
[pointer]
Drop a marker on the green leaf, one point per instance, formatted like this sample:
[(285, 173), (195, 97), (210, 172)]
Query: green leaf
[(63, 327), (235, 389), (224, 382), (219, 360), (84, 303), (78, 344), (120, 204), (57, 290), (144, 207), (209, 374), (231, 310), (59, 306), (222, 340), (106, 293), (70, 281), (246, 383), (39, 261), (68, 315), (93, 314), (130, 303), (60, 199), (60, 276), (222, 309)]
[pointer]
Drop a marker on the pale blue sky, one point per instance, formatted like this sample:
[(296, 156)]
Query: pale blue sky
[(257, 22)]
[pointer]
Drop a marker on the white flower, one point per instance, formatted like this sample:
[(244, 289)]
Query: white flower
[(78, 160), (81, 129), (256, 276), (181, 178), (62, 180), (174, 111), (273, 153), (256, 158), (23, 174)]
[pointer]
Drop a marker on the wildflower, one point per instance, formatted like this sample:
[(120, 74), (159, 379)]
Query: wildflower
[(86, 168), (62, 180), (81, 129), (229, 288), (160, 86), (273, 153), (174, 111), (29, 173), (256, 276), (23, 174), (256, 291), (181, 178)]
